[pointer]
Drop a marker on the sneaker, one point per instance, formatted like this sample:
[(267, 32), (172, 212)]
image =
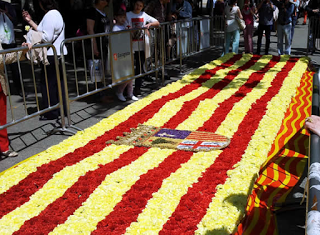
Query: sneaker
[(121, 97), (134, 98), (10, 153)]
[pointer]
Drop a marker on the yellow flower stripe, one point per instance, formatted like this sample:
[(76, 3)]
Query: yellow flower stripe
[(56, 187), (222, 212), (23, 169), (165, 201), (171, 108), (207, 107), (105, 197)]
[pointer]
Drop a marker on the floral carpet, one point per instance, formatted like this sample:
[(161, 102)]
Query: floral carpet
[(86, 186)]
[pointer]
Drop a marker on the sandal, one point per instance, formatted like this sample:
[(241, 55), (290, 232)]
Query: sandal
[(10, 153)]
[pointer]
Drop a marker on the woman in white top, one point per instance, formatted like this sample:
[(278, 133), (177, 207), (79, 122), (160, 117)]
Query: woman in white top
[(53, 31), (232, 30), (139, 19)]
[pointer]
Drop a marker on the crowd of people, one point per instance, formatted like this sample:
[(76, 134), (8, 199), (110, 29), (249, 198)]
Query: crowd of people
[(273, 15), (280, 16)]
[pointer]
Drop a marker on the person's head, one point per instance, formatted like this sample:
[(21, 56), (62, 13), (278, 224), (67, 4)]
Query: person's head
[(48, 5), (138, 5), (120, 16), (101, 3)]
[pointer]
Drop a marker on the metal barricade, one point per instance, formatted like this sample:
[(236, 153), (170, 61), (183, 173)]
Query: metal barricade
[(313, 195), (184, 38), (31, 77), (81, 82), (313, 35)]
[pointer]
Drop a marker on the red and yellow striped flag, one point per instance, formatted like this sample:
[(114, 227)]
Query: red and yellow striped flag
[(84, 185)]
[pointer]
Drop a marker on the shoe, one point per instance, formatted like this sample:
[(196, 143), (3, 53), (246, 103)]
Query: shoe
[(134, 98), (137, 91), (10, 153), (121, 97)]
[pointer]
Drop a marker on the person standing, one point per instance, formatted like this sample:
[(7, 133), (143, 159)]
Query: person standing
[(284, 26), (120, 20), (232, 30), (313, 9), (248, 12), (9, 58), (53, 31), (98, 22), (265, 10), (139, 19), (296, 4)]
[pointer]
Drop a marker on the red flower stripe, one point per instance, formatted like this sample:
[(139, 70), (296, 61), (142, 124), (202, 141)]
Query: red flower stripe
[(190, 106), (193, 205), (301, 105), (220, 114), (58, 211), (20, 193), (135, 200)]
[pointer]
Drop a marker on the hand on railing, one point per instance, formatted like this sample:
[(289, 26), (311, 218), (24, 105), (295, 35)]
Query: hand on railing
[(312, 123)]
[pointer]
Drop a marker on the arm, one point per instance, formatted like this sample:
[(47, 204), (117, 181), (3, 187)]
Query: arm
[(90, 30), (275, 2), (12, 57), (152, 21), (260, 5), (187, 10), (295, 3), (239, 13), (290, 9), (27, 17)]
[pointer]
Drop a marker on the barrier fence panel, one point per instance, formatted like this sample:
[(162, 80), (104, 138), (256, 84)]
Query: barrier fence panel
[(313, 35), (123, 56), (184, 38), (313, 206), (33, 76)]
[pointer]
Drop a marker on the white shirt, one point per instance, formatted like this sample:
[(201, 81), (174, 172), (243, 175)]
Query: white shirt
[(52, 27), (231, 13), (138, 21), (118, 28)]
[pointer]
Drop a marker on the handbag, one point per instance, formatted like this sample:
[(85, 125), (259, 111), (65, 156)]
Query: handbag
[(241, 23), (95, 68), (6, 29)]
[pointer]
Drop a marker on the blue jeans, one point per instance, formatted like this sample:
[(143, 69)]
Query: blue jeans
[(284, 31), (235, 35), (294, 22)]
